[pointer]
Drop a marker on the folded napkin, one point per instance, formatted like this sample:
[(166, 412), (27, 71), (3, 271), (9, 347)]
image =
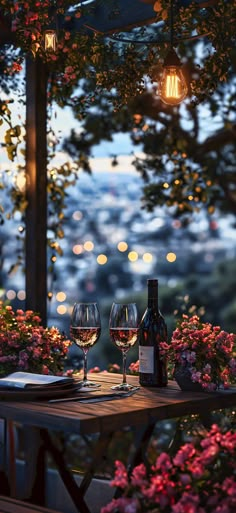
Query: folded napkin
[(22, 380)]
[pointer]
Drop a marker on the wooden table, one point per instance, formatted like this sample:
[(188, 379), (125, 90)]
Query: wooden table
[(140, 411)]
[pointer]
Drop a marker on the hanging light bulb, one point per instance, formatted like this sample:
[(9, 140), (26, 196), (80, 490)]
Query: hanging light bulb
[(172, 86), (50, 40)]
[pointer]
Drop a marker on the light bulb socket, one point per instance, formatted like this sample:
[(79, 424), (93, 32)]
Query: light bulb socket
[(172, 59)]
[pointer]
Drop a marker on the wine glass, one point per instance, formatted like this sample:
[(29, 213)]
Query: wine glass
[(85, 330), (123, 327)]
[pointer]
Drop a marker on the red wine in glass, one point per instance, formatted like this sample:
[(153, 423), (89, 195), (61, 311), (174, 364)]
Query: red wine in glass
[(85, 330)]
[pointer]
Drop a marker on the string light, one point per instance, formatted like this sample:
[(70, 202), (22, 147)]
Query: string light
[(172, 88), (50, 40)]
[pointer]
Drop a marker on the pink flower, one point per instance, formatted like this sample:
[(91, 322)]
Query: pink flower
[(206, 349), (139, 476), (163, 462), (26, 345), (188, 503), (134, 367), (200, 478), (121, 505), (121, 477), (191, 356), (184, 453)]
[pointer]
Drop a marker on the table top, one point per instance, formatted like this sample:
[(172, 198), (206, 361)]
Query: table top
[(146, 406)]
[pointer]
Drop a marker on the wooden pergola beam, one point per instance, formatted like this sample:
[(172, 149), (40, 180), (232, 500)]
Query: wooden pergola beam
[(36, 176)]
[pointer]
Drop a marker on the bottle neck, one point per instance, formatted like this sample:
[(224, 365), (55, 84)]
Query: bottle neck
[(153, 294)]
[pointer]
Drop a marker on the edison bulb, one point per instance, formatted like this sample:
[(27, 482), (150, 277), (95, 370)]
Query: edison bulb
[(172, 87), (50, 40)]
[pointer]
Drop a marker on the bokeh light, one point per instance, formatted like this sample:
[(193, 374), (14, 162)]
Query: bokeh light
[(11, 294), (147, 257), (101, 259), (122, 246), (61, 296), (133, 256), (61, 309), (88, 245), (171, 257), (21, 295), (77, 215), (77, 249)]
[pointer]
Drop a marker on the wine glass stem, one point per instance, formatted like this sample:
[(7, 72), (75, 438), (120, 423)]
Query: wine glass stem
[(85, 365), (124, 368)]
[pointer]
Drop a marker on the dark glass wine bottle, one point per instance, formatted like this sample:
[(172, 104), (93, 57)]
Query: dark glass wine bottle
[(153, 329)]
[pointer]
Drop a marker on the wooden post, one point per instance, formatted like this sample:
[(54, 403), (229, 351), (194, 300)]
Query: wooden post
[(36, 176)]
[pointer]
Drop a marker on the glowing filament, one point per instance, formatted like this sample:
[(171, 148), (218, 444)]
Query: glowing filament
[(50, 41), (173, 88), (172, 85)]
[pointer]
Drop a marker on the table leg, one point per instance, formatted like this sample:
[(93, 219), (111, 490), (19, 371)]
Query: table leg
[(76, 491), (176, 440), (4, 447), (35, 466), (98, 453)]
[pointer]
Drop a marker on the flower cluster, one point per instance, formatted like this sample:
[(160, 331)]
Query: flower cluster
[(206, 350), (27, 346), (200, 478)]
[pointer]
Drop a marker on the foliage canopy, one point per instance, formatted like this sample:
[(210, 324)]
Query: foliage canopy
[(109, 81)]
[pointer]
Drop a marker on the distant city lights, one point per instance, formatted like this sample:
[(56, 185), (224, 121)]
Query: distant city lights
[(77, 215), (60, 296), (122, 246), (88, 245), (171, 257), (147, 257), (133, 256), (77, 249), (21, 295), (11, 294), (101, 259), (61, 310)]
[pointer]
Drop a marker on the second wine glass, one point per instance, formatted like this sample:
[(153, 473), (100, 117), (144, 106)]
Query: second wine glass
[(85, 330), (123, 327)]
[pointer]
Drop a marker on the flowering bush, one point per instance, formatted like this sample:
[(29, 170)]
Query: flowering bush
[(207, 351), (25, 345), (200, 478)]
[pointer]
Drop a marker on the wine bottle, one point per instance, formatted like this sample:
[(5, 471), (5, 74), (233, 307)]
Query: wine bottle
[(153, 330)]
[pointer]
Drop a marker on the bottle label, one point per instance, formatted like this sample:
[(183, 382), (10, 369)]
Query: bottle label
[(146, 359)]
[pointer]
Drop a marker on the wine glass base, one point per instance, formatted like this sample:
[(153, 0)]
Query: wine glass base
[(88, 384), (123, 386)]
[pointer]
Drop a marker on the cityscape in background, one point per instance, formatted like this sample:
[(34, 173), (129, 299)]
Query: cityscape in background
[(112, 244), (111, 247)]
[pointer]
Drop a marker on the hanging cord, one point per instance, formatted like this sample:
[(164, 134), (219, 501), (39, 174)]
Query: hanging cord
[(171, 23)]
